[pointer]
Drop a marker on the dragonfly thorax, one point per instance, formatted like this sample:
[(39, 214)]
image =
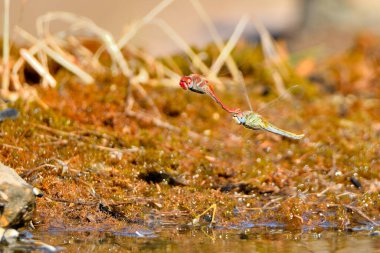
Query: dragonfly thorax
[(239, 119)]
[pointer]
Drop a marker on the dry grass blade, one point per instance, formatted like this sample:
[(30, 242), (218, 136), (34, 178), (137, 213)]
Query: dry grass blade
[(15, 77), (33, 62), (160, 123), (245, 91), (273, 58), (135, 81), (182, 44), (11, 147), (148, 18), (280, 86), (360, 212), (150, 60), (225, 53), (83, 23), (83, 140), (217, 39), (5, 80), (85, 55), (267, 43), (60, 59)]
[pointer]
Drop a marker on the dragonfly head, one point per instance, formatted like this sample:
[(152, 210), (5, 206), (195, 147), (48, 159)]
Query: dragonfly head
[(239, 118), (185, 82)]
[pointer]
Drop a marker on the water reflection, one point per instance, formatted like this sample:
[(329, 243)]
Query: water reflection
[(204, 239)]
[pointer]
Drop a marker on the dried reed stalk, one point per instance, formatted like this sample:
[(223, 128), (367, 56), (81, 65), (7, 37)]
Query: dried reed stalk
[(5, 80), (231, 65), (225, 53)]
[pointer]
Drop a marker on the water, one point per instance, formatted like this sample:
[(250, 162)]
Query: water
[(183, 239)]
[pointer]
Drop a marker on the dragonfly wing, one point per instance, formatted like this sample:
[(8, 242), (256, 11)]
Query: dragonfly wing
[(197, 91), (273, 129)]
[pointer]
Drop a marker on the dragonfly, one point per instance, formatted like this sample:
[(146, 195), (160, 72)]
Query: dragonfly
[(253, 120), (199, 84)]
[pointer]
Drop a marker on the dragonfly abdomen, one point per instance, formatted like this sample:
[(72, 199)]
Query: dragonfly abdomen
[(255, 121), (273, 129)]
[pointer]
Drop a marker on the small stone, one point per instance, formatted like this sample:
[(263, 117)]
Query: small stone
[(17, 199), (91, 218), (2, 231), (11, 235), (8, 113)]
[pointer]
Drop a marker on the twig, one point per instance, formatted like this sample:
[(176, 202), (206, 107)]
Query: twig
[(320, 194), (122, 150), (162, 124), (83, 131), (31, 171), (11, 146), (360, 212), (142, 91), (92, 190), (195, 221), (271, 202), (174, 213), (351, 194), (73, 202), (5, 81), (80, 139), (56, 131), (54, 143), (357, 210)]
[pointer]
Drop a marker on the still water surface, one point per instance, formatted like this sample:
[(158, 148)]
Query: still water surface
[(263, 240)]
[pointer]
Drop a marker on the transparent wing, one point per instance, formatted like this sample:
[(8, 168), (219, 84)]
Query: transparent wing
[(283, 113), (296, 92)]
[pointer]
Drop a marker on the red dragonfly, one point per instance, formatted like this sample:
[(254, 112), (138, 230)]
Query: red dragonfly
[(199, 84)]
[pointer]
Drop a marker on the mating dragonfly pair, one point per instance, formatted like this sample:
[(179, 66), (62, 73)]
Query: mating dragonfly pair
[(248, 119)]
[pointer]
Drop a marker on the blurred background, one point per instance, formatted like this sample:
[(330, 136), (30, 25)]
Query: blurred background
[(304, 23)]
